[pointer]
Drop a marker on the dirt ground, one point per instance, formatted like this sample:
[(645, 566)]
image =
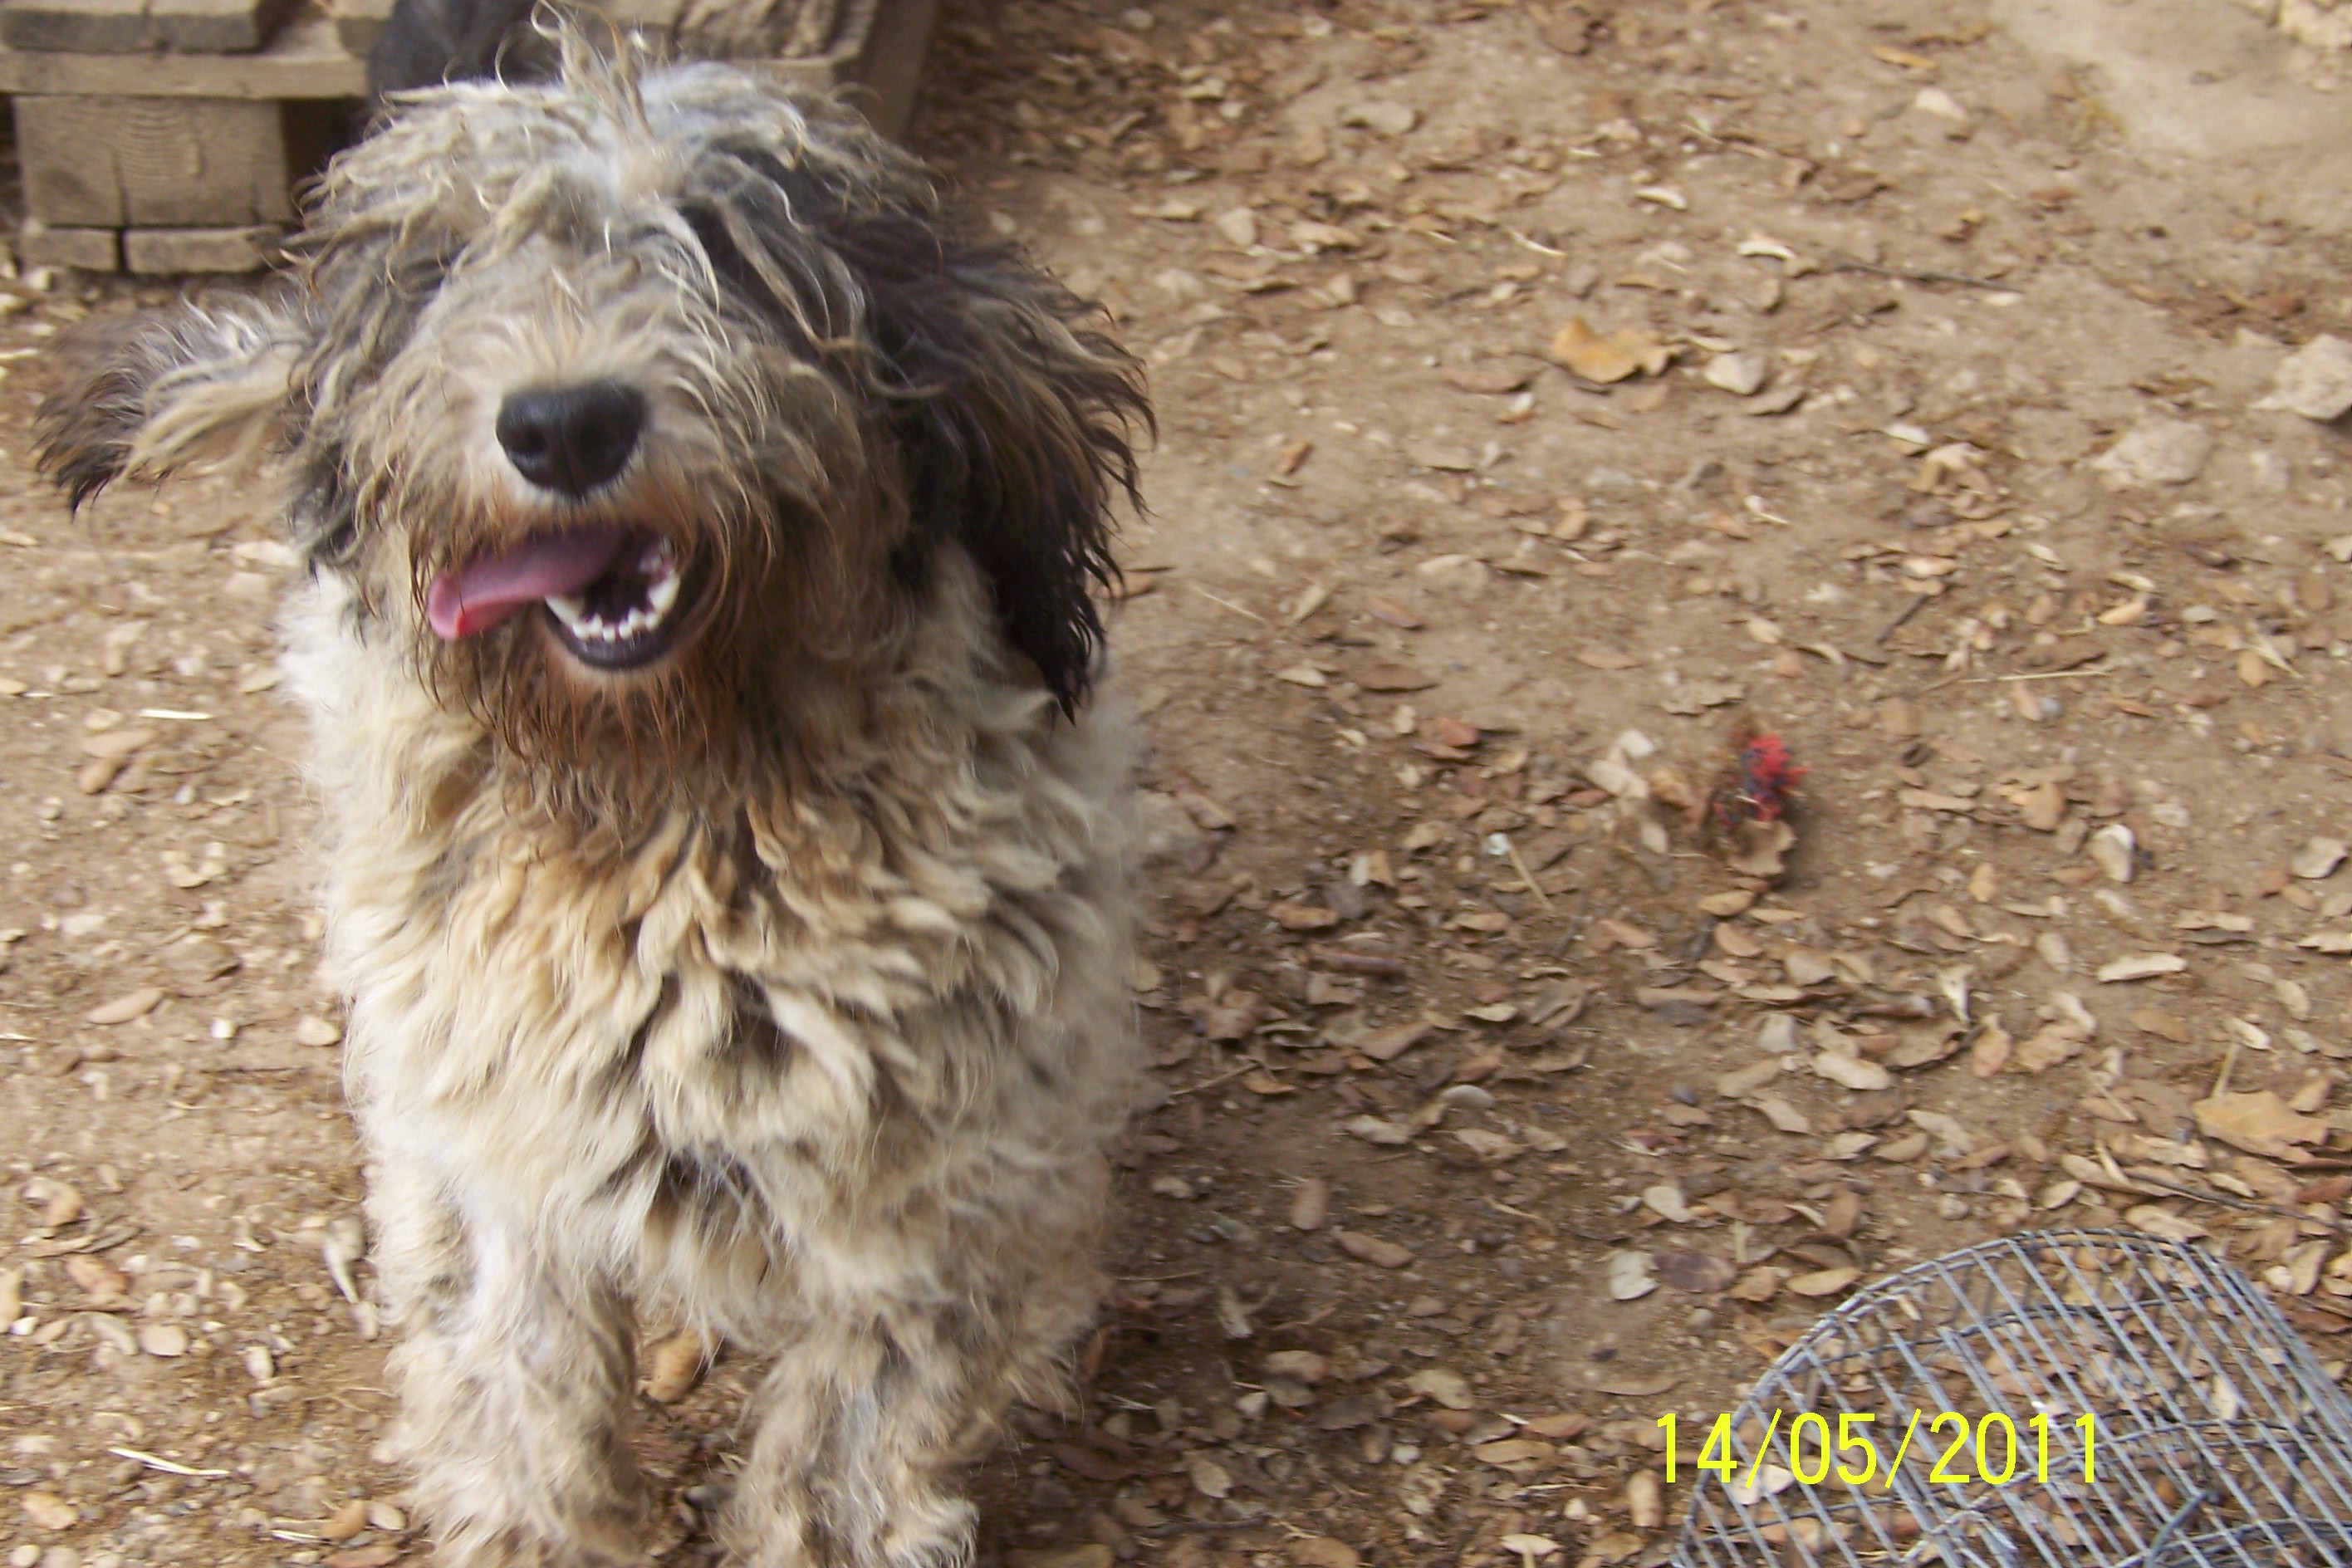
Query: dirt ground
[(1498, 1111)]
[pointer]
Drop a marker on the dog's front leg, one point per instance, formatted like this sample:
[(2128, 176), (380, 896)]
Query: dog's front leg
[(515, 1376), (861, 1428)]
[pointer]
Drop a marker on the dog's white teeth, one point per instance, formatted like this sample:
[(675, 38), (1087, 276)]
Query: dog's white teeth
[(658, 583), (661, 594)]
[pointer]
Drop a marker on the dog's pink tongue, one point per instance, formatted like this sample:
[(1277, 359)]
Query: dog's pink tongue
[(460, 604)]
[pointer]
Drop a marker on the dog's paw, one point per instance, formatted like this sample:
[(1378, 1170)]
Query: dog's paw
[(924, 1531), (474, 1545)]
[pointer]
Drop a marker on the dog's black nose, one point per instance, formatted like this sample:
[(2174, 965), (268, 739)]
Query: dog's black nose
[(571, 438)]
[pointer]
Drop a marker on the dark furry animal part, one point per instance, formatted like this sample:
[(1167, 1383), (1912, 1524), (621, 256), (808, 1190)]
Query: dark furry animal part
[(730, 884), (925, 390), (428, 42)]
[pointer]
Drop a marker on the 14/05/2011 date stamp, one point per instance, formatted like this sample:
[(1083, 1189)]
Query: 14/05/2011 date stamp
[(1991, 1445)]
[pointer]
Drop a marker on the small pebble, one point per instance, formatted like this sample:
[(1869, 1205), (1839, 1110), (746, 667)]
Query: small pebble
[(1739, 374), (1310, 1206), (49, 1511), (312, 1030), (2114, 850), (165, 1340), (346, 1520)]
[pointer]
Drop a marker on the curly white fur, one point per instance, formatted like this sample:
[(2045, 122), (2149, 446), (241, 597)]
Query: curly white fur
[(780, 983)]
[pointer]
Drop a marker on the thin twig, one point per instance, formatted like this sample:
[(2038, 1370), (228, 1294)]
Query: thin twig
[(1251, 1065), (2083, 670), (1575, 924), (169, 1467), (1901, 616), (1844, 264), (2229, 1060), (1178, 1526), (2247, 1205), (1228, 603), (1519, 864)]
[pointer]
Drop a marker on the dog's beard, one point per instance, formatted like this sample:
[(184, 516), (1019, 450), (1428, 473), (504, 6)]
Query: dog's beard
[(786, 607)]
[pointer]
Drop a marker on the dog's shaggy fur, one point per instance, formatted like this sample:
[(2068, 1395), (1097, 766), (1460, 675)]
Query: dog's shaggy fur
[(780, 982)]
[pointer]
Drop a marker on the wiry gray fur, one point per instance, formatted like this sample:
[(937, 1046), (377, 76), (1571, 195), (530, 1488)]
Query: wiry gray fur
[(780, 986)]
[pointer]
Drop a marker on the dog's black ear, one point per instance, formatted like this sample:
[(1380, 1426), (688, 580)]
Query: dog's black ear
[(153, 395), (1013, 414), (428, 42), (1013, 411)]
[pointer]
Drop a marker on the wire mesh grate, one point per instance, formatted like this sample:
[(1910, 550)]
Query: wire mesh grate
[(2216, 1437)]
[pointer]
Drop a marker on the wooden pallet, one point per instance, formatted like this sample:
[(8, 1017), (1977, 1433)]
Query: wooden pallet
[(166, 136)]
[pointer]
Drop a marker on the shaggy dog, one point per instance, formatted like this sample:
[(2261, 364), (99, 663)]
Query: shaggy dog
[(727, 866), (426, 43)]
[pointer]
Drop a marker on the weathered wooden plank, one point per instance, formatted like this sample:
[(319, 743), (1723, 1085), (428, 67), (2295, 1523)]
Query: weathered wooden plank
[(303, 60), (877, 54), (891, 67), (68, 165), (88, 249), (89, 27), (165, 163), (164, 252), (214, 27)]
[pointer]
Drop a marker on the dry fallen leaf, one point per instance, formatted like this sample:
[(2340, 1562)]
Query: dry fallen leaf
[(1944, 1128), (1761, 849), (1310, 1206), (2260, 1123), (1697, 1273), (1512, 1451), (2163, 1222), (1373, 1249), (1447, 1387), (1856, 1073), (50, 1513), (1645, 1501), (1210, 1479), (1630, 1278), (2051, 1044), (2141, 966), (1666, 1201), (1393, 678), (123, 1009), (1990, 1053), (1323, 1551), (1608, 357), (2317, 858), (1823, 1282), (96, 1277), (1386, 1044)]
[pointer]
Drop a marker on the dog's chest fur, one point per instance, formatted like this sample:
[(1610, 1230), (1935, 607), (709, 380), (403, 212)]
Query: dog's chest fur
[(773, 1031)]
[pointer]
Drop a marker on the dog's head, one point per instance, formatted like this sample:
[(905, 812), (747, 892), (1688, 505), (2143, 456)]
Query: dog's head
[(633, 399)]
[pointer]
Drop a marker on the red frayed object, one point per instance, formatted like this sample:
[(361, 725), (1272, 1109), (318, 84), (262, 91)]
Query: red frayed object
[(1768, 777)]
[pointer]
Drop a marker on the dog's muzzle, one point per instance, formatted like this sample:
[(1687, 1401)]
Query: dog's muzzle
[(616, 596)]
